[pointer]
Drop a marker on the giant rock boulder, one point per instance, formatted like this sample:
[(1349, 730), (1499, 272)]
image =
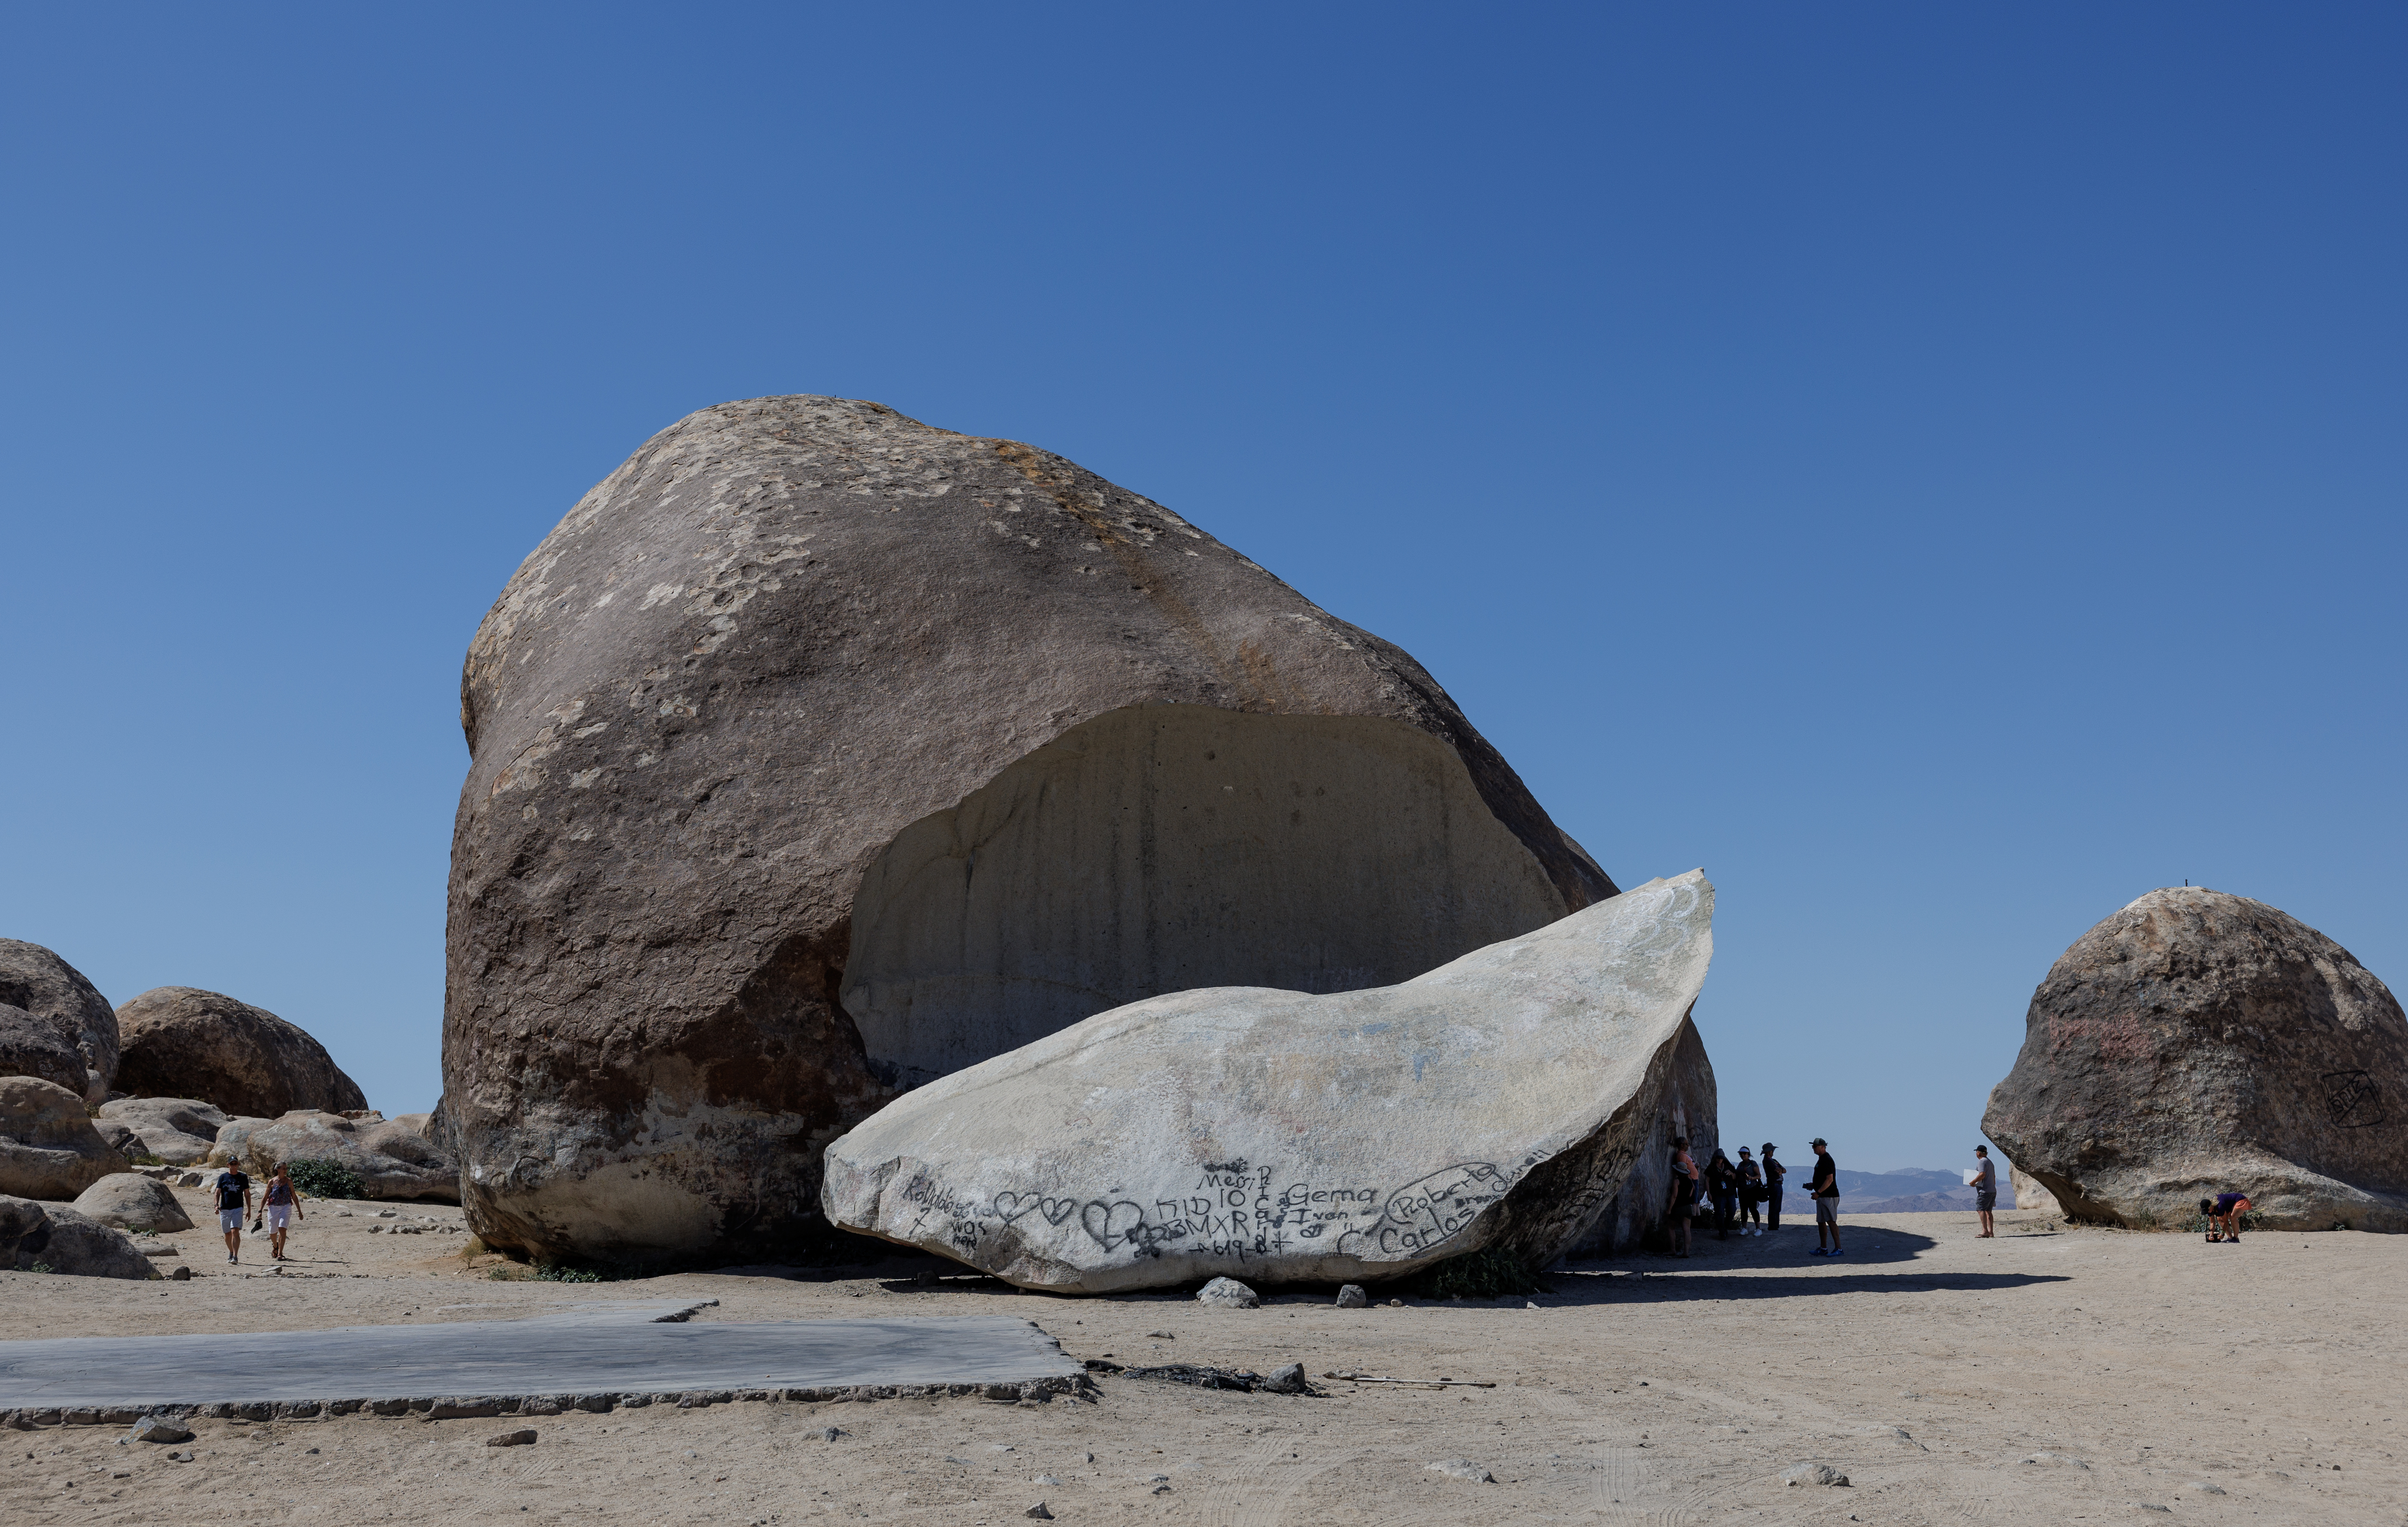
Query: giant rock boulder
[(1499, 1102), (819, 753), (393, 1157), (2196, 1042), (55, 1025), (48, 1146), (181, 1042)]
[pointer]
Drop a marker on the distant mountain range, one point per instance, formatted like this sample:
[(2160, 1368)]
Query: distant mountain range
[(1914, 1191)]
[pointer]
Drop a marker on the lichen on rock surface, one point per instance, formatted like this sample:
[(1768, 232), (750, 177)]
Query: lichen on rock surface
[(2198, 1042), (818, 753), (1499, 1103)]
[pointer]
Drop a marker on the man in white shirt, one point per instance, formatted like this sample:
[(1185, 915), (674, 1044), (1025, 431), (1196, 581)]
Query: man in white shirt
[(1984, 1180)]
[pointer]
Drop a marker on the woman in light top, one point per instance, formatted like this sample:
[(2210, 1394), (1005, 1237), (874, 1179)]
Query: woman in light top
[(284, 1202)]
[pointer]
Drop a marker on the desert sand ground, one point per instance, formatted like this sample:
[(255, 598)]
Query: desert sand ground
[(2148, 1373)]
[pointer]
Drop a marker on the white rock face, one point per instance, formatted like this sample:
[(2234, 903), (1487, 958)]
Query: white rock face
[(1498, 1101)]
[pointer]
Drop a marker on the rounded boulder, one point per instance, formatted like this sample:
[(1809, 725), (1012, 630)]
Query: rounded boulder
[(48, 1147), (2196, 1043), (183, 1043), (60, 1010), (130, 1200)]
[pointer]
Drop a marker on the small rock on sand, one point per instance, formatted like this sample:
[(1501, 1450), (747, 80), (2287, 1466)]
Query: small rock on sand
[(1287, 1379), (1814, 1473), (2205, 1487), (2061, 1460), (1227, 1293), (1352, 1297), (519, 1439), (1462, 1468), (158, 1428), (1039, 1512)]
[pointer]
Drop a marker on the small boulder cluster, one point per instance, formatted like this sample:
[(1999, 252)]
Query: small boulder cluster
[(101, 1107)]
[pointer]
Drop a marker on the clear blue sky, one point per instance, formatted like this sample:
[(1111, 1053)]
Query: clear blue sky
[(1940, 468)]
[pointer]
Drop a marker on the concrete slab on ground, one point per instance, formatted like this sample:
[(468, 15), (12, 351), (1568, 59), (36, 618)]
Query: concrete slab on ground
[(619, 1348)]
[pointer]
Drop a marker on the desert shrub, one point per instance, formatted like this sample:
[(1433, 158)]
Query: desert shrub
[(143, 1157), (1476, 1274), (324, 1179)]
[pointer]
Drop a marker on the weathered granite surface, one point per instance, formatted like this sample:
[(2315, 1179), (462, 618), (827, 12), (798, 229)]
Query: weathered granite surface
[(2196, 1042), (55, 995), (54, 1238), (1501, 1101), (818, 753), (1679, 1097), (177, 1130), (130, 1200), (184, 1043), (392, 1158), (48, 1146)]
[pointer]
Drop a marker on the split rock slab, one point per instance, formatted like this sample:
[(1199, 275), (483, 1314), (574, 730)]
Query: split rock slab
[(1499, 1101)]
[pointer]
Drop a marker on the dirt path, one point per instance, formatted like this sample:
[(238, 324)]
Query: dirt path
[(1927, 1365)]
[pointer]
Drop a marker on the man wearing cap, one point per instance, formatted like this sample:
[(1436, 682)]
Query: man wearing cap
[(1984, 1180), (1826, 1189), (1773, 1173)]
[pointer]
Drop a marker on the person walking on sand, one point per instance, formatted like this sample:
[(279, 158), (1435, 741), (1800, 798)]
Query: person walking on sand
[(283, 1202), (1825, 1186), (1751, 1194), (1985, 1189), (1684, 1195), (1774, 1171), (234, 1206)]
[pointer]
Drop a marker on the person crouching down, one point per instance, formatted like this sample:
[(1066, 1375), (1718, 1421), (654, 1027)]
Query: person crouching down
[(2224, 1212), (284, 1202)]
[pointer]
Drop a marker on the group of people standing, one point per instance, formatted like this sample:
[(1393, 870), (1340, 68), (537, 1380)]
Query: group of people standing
[(1746, 1194), (279, 1202)]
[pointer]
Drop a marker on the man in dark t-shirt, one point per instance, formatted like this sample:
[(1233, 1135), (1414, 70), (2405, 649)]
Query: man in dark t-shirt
[(1825, 1187), (233, 1199)]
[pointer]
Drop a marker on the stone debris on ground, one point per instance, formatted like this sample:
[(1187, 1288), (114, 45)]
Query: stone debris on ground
[(1461, 1468), (2061, 1460), (1812, 1474), (159, 1429), (1227, 1293), (1039, 1512), (1352, 1297), (519, 1439)]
